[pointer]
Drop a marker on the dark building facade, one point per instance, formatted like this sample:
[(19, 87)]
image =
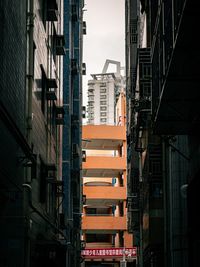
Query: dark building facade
[(163, 128), (32, 190), (73, 68)]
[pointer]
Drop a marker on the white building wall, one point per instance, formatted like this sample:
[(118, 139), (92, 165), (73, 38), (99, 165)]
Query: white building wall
[(111, 103), (102, 108), (102, 92), (96, 104)]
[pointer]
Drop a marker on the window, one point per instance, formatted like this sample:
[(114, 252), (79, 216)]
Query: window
[(155, 167), (146, 70), (90, 87), (103, 114), (102, 96), (33, 65), (103, 90), (91, 116), (43, 185), (91, 98), (103, 103), (103, 85), (121, 238), (145, 90), (48, 11), (156, 190), (90, 121), (53, 43), (43, 11), (90, 109), (103, 120), (121, 209), (103, 108), (53, 120), (97, 238)]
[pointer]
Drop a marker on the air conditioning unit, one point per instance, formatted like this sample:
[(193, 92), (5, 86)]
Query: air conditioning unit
[(60, 45), (51, 89), (83, 112), (83, 244), (52, 10), (84, 27), (60, 115), (83, 69), (83, 156), (50, 167)]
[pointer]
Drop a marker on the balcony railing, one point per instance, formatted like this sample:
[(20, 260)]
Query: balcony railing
[(107, 223), (106, 215)]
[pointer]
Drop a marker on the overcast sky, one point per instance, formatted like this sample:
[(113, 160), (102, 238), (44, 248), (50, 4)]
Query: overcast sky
[(105, 38)]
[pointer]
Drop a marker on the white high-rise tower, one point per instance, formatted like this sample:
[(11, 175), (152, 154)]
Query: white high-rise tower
[(103, 92)]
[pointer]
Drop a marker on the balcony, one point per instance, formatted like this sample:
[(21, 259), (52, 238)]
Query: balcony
[(106, 195), (103, 137), (103, 166), (109, 224)]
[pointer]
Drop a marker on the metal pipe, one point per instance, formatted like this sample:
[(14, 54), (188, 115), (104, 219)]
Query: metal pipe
[(29, 88), (140, 168), (30, 66), (141, 211), (171, 206), (164, 169)]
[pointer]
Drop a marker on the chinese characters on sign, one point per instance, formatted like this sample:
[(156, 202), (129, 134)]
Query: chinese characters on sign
[(108, 252)]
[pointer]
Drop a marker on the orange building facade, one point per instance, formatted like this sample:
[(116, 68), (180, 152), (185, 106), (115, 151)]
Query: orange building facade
[(104, 219)]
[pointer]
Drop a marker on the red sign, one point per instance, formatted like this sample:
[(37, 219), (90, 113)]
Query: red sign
[(109, 252)]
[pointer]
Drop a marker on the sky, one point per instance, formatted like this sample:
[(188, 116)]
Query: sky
[(105, 38)]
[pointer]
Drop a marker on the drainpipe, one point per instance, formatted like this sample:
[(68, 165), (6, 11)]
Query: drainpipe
[(141, 210), (30, 67), (164, 200), (29, 89)]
